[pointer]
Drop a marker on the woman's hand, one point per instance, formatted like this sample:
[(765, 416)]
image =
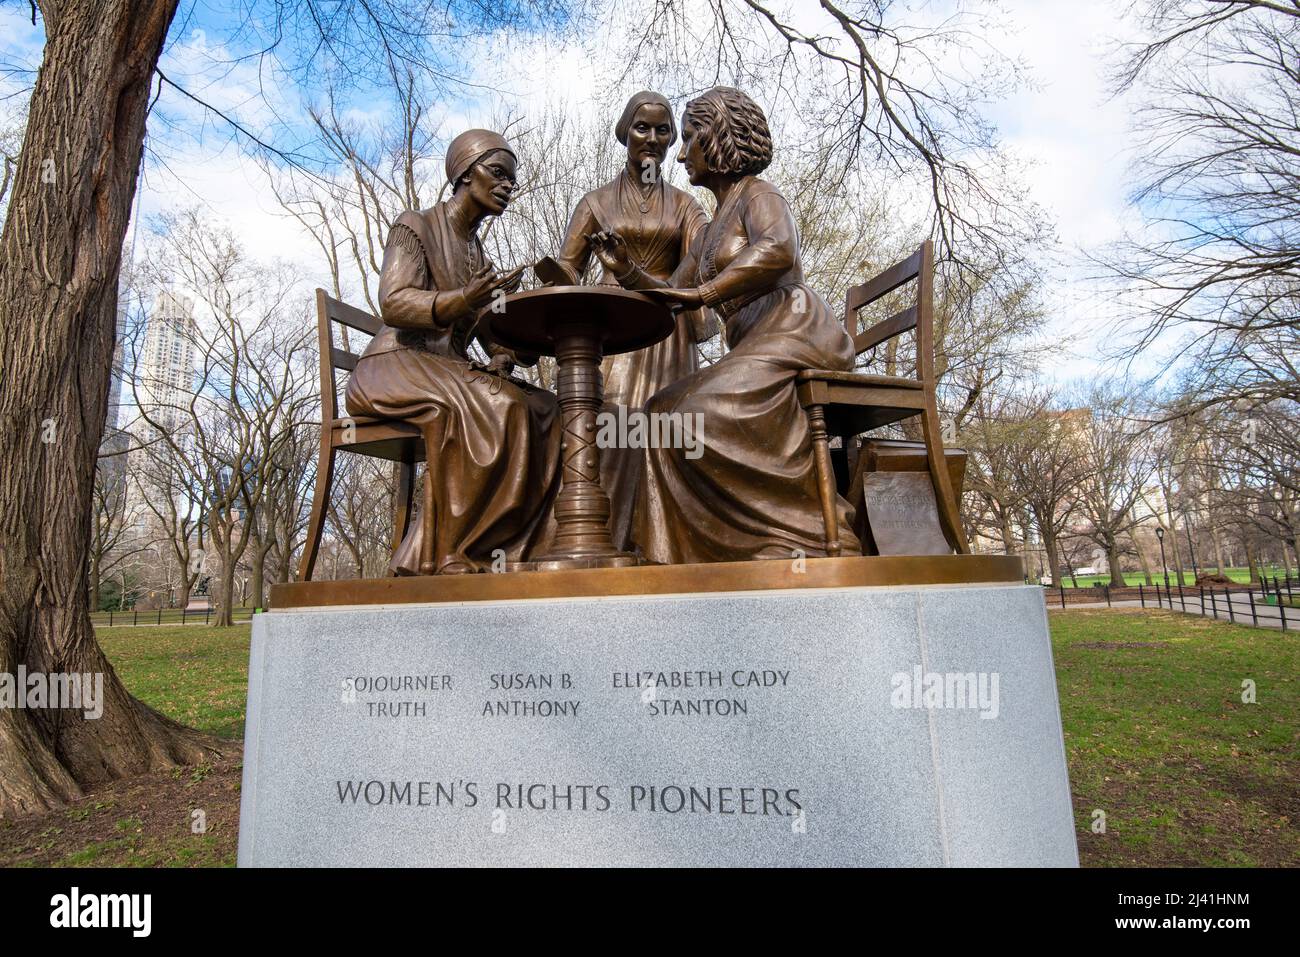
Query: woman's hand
[(481, 287), (611, 249), (677, 298), (484, 283), (511, 280), (501, 364)]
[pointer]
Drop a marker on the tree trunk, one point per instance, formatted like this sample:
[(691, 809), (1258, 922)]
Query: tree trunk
[(1142, 558), (224, 617), (1218, 551), (1112, 556), (1008, 535), (1172, 536), (1053, 557), (1251, 560), (60, 253), (259, 576), (94, 583)]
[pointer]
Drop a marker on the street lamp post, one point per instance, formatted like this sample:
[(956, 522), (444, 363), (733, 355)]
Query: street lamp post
[(1160, 537)]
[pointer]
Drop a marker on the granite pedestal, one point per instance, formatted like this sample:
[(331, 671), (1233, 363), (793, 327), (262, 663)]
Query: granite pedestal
[(833, 726)]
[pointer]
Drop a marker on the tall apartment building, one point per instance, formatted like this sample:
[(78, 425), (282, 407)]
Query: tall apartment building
[(165, 381), (166, 367)]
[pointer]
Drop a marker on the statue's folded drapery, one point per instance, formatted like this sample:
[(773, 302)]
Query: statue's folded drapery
[(495, 468), (753, 492)]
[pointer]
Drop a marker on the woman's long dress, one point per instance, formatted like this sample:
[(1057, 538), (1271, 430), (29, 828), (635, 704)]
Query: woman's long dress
[(658, 229), (495, 469), (753, 492)]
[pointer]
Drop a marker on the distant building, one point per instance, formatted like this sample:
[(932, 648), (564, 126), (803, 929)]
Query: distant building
[(166, 368), (165, 374)]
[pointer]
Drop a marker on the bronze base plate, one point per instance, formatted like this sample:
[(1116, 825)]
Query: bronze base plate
[(613, 560), (763, 575)]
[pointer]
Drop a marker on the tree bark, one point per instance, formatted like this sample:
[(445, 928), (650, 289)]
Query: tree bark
[(94, 583), (1251, 561), (60, 253), (1112, 556), (1008, 535), (1218, 551), (1172, 535), (1053, 557), (259, 575), (224, 617), (1142, 557)]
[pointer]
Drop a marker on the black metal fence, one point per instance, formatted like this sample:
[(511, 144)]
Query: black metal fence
[(1237, 602), (164, 616), (1268, 603)]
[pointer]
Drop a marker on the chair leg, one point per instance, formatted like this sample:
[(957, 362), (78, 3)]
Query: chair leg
[(945, 498), (426, 517), (402, 501), (319, 505), (825, 478), (432, 443)]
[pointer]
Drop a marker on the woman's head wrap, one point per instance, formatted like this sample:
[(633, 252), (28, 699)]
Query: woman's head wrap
[(471, 146)]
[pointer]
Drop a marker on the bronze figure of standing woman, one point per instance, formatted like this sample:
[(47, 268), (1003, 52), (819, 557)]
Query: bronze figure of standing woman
[(657, 223), (753, 491)]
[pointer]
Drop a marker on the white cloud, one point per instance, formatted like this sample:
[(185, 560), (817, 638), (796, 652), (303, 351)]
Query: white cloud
[(1072, 136), (1075, 139)]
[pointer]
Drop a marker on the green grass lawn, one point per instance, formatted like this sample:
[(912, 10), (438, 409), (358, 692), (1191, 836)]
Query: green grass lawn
[(1158, 737), (192, 673), (1156, 734), (198, 676)]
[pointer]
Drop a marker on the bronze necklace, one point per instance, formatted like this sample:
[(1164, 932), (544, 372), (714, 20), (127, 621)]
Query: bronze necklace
[(644, 191)]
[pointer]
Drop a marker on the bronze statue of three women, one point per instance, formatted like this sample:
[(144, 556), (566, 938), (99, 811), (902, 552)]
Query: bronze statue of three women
[(493, 440)]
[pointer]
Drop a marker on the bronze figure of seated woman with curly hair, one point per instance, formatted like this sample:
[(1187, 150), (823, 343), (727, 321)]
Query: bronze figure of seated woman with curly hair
[(753, 491)]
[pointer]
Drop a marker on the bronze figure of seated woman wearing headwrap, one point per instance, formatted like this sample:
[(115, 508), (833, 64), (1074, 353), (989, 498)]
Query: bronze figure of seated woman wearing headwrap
[(492, 441)]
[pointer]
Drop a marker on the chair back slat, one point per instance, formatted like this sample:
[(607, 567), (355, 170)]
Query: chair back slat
[(919, 315), (353, 317), (897, 324), (328, 311), (881, 285), (329, 399), (341, 359)]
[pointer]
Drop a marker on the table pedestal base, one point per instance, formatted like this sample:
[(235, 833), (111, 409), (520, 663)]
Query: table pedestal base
[(617, 560), (582, 536)]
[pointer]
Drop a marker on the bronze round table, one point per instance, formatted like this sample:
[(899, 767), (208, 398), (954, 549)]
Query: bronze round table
[(580, 325)]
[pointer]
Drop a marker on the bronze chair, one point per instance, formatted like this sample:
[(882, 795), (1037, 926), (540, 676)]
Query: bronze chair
[(847, 404), (389, 439)]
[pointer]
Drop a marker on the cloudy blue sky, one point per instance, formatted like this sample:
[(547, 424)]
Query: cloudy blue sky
[(1072, 137)]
